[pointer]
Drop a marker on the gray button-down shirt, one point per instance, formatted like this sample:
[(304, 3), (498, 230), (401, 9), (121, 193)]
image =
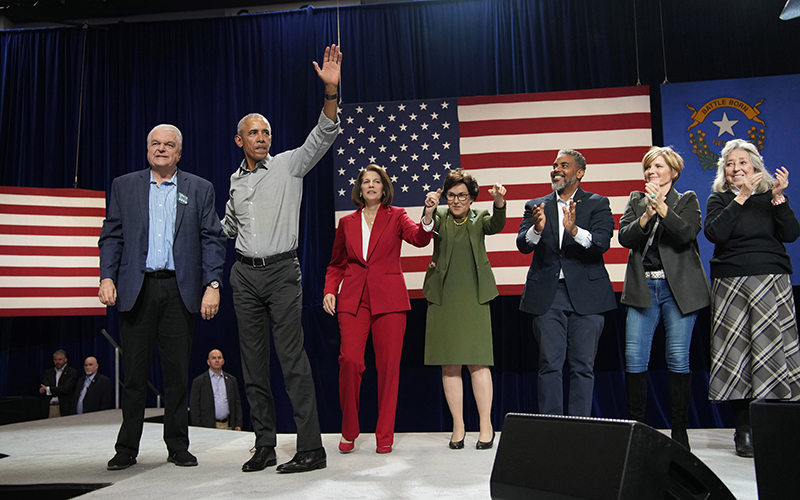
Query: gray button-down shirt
[(263, 211)]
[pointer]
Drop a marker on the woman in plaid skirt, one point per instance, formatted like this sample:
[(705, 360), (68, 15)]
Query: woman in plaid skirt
[(754, 342)]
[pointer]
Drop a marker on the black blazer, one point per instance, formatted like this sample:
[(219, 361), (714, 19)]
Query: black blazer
[(99, 394), (201, 401), (677, 247), (587, 280), (63, 391)]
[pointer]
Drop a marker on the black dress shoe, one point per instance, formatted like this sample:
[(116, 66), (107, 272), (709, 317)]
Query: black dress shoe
[(120, 461), (456, 445), (263, 457), (305, 461), (480, 445), (182, 459), (744, 444)]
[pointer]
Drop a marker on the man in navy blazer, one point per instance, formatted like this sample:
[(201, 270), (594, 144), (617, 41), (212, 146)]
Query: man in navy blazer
[(214, 400), (161, 256), (567, 289)]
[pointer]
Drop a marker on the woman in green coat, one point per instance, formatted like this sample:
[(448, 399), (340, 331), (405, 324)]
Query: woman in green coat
[(459, 327)]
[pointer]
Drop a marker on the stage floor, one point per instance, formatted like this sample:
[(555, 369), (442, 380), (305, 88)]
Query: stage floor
[(75, 450)]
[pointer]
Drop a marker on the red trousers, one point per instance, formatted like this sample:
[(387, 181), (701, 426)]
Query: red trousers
[(387, 338)]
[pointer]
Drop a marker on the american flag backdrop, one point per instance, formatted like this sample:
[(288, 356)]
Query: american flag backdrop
[(510, 139), (49, 260)]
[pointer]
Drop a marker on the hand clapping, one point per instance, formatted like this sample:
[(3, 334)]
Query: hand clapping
[(781, 183)]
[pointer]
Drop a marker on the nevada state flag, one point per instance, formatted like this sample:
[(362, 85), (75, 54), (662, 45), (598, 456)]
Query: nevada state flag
[(700, 117)]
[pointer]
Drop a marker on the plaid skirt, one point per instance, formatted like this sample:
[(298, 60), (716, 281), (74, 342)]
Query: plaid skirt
[(754, 345)]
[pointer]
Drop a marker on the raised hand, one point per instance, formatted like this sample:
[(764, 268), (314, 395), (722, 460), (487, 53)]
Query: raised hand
[(331, 68), (431, 202), (748, 187), (569, 218), (497, 192), (539, 218), (781, 183)]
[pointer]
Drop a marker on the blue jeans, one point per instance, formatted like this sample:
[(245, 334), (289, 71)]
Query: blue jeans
[(641, 326)]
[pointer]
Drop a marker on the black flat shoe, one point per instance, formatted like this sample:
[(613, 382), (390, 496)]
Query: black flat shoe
[(744, 444), (263, 457), (480, 445), (305, 461), (457, 445)]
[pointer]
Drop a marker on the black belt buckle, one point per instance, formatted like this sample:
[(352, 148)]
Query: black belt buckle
[(265, 261)]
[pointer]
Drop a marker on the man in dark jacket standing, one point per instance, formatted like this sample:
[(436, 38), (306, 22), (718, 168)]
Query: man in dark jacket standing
[(57, 384), (214, 400)]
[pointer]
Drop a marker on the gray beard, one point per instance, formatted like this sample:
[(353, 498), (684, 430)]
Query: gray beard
[(568, 181)]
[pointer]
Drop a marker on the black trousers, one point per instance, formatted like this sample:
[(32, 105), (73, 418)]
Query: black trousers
[(159, 315), (273, 296)]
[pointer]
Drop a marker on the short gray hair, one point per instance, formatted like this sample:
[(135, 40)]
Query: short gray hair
[(580, 161), (720, 184), (240, 126), (171, 128)]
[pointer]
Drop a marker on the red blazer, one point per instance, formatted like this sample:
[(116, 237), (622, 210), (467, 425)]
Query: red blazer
[(381, 270)]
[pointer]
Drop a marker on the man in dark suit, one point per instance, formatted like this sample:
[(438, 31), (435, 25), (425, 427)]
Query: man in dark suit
[(161, 256), (567, 289), (57, 386), (214, 400), (93, 391)]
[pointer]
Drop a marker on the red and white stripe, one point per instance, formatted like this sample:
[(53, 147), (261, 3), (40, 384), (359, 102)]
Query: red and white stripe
[(49, 259), (513, 140)]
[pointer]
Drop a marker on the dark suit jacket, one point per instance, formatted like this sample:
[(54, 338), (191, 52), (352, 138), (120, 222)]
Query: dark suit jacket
[(63, 391), (479, 224), (381, 271), (677, 248), (99, 395), (587, 280), (201, 402), (198, 247)]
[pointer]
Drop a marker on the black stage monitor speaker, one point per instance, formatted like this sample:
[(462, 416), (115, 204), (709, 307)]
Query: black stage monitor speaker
[(545, 457), (776, 439)]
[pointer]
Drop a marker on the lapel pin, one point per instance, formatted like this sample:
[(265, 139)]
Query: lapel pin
[(183, 199)]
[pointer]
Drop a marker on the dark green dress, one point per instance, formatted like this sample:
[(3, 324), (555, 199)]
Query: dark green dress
[(459, 331)]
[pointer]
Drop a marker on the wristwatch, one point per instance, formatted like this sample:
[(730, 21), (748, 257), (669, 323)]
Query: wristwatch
[(214, 284)]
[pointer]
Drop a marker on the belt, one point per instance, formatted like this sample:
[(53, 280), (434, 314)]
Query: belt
[(54, 404), (160, 275), (222, 420), (655, 275), (265, 261)]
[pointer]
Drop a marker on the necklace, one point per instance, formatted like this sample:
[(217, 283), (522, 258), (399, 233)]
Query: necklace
[(367, 217), (459, 223)]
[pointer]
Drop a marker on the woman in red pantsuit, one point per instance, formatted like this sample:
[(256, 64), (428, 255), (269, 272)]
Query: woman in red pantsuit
[(373, 296)]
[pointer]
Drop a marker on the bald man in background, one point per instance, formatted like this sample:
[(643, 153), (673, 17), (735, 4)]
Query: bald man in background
[(214, 400), (93, 392)]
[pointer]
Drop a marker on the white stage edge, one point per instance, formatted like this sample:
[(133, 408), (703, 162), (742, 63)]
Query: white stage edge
[(75, 449)]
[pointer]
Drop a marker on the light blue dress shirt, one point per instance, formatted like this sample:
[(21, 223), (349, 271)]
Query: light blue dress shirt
[(163, 207), (221, 409)]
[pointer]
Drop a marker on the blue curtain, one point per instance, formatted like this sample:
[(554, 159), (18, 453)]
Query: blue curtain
[(203, 75)]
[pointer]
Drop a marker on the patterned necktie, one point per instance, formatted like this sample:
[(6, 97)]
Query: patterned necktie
[(83, 395)]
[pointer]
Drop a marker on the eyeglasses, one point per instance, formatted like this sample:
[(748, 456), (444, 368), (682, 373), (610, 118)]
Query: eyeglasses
[(460, 196)]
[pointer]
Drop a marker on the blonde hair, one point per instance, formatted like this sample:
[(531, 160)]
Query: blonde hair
[(673, 159)]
